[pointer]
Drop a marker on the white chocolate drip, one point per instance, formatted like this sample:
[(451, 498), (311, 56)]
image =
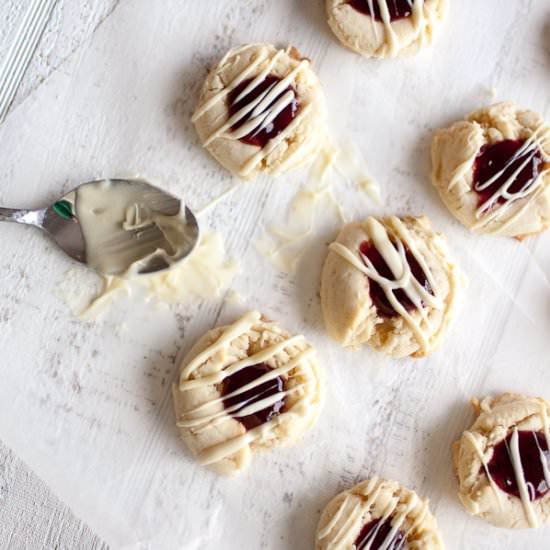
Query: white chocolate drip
[(490, 210), (397, 510), (396, 259), (208, 414), (261, 111), (546, 429), (494, 487), (417, 15), (526, 490)]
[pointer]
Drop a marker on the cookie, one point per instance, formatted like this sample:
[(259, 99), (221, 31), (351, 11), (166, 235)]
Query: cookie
[(245, 387), (503, 462), (261, 110), (492, 170), (385, 28), (377, 514), (391, 284)]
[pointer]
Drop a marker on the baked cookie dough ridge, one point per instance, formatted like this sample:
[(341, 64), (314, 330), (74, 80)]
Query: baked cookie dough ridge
[(515, 458), (261, 110), (200, 419), (404, 279), (368, 492)]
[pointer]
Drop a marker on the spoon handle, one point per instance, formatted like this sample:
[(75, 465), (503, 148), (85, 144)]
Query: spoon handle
[(30, 217)]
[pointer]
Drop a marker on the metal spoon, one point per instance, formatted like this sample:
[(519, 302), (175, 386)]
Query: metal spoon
[(61, 222)]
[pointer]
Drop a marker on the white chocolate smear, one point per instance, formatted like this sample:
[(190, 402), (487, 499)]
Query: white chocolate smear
[(284, 245), (206, 273)]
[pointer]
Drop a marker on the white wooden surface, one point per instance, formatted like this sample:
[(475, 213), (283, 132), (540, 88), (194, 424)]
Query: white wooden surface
[(32, 517), (110, 91)]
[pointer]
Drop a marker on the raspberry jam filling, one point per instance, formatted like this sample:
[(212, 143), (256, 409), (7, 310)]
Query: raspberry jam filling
[(377, 294), (374, 535), (534, 455), (257, 393), (264, 131), (398, 9), (501, 161)]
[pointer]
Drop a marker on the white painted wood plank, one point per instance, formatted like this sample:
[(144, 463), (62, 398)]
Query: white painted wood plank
[(31, 517)]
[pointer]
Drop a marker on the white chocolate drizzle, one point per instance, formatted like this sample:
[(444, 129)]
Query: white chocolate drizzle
[(208, 414), (546, 430), (491, 210), (399, 509), (396, 259), (525, 489), (494, 487), (524, 493), (262, 110), (417, 15)]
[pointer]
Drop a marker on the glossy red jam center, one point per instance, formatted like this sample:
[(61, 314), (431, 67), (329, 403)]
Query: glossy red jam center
[(273, 128), (375, 533), (533, 450), (377, 294), (244, 399), (398, 9), (497, 157)]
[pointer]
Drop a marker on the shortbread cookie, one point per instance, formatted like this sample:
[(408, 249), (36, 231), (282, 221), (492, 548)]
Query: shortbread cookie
[(503, 462), (261, 110), (377, 514), (385, 28), (245, 387), (389, 283), (492, 170)]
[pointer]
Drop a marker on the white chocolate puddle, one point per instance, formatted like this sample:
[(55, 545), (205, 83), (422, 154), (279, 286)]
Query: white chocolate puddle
[(207, 273)]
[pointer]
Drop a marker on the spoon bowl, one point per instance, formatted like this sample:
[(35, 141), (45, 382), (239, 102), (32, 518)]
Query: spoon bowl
[(116, 226)]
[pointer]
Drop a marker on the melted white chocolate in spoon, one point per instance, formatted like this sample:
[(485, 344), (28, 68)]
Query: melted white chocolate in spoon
[(129, 225)]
